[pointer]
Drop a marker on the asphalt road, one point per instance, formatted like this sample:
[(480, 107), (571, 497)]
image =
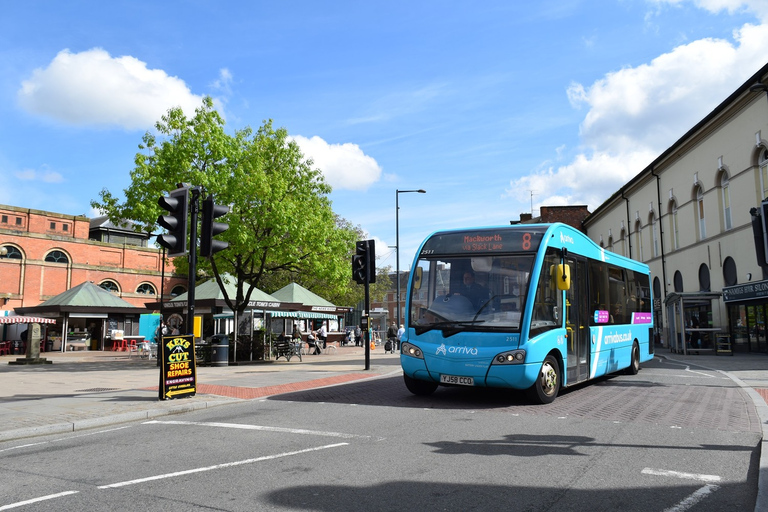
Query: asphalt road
[(669, 438)]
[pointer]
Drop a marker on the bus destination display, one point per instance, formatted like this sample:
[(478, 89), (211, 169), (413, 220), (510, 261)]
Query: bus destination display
[(484, 241)]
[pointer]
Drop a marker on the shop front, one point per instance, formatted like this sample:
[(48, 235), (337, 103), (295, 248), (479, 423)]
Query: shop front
[(747, 306)]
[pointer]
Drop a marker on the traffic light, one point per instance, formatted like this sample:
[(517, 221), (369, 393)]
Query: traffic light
[(364, 262), (211, 211), (177, 203)]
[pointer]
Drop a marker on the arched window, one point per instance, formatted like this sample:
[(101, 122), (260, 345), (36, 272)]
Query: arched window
[(11, 252), (762, 162), (639, 240), (110, 286), (178, 290), (623, 240), (700, 213), (726, 201), (730, 277), (678, 281), (146, 289), (56, 257), (673, 226), (704, 281), (654, 236)]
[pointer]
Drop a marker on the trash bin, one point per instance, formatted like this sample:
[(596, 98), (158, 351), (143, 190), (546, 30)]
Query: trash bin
[(219, 350), (49, 345), (94, 344)]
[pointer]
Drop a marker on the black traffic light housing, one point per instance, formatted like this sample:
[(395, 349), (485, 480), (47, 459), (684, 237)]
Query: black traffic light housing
[(177, 204), (364, 262), (212, 211)]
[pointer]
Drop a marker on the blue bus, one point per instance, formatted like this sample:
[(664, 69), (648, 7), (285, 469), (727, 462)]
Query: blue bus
[(536, 307)]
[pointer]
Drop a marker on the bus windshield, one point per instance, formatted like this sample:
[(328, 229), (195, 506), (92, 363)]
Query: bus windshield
[(470, 293)]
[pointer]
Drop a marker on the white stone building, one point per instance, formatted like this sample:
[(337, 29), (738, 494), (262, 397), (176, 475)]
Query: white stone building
[(688, 216)]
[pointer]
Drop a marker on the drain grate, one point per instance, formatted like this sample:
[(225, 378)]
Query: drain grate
[(95, 390)]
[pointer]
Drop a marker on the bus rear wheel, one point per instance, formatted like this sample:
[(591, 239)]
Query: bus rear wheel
[(419, 387), (634, 364), (547, 385)]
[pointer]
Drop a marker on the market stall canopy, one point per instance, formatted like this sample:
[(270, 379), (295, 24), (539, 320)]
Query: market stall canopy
[(210, 294), (21, 319), (311, 301), (84, 298)]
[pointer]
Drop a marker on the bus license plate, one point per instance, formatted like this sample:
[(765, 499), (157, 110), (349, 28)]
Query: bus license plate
[(455, 379)]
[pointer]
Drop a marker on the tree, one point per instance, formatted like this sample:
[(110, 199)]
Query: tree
[(281, 221)]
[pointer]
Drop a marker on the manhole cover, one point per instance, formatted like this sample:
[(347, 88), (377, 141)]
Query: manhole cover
[(95, 390)]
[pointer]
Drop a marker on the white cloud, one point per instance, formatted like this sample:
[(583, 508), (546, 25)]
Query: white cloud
[(44, 175), (93, 88), (636, 113), (344, 166), (757, 7)]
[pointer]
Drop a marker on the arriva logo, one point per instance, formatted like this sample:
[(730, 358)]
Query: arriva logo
[(442, 349), (565, 239)]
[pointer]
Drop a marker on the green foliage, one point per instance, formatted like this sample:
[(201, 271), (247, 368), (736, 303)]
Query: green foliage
[(281, 224)]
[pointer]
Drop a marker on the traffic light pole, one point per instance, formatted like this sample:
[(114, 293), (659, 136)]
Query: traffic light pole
[(194, 207), (368, 323)]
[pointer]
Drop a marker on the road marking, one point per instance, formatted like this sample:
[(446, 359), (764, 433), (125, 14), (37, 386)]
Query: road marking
[(263, 428), (693, 499), (37, 500), (219, 466)]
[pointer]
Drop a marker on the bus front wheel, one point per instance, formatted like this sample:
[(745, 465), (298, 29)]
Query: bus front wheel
[(547, 385), (419, 387)]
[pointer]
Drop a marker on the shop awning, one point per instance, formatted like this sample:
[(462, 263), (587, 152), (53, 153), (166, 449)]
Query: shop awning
[(286, 314), (20, 319)]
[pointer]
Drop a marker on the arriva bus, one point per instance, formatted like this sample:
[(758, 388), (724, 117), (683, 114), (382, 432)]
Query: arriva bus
[(537, 307)]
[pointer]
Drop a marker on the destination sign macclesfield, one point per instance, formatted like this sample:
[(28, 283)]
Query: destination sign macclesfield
[(513, 239)]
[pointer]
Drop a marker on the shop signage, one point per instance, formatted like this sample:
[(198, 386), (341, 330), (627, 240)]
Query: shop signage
[(748, 291), (178, 378)]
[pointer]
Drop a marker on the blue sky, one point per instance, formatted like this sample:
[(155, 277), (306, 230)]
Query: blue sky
[(492, 107)]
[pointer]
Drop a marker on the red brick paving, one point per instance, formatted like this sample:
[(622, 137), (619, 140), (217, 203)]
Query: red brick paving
[(249, 393), (763, 393)]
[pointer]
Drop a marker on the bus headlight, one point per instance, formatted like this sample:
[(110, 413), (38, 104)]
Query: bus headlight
[(412, 350), (511, 357)]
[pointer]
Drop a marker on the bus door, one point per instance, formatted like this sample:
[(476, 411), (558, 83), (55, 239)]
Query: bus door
[(577, 322)]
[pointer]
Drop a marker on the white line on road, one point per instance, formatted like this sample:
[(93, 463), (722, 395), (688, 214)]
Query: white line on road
[(692, 500), (36, 500), (678, 474), (283, 430), (219, 466)]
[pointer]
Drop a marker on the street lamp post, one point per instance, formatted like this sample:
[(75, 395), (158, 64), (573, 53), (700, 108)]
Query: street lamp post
[(397, 245)]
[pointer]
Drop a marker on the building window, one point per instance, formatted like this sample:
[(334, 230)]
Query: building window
[(146, 289), (178, 290), (4, 219), (56, 257), (673, 227), (763, 163), (65, 227), (654, 235), (704, 281), (11, 252), (729, 272), (639, 240), (53, 226), (700, 213), (726, 201), (110, 286), (678, 281), (623, 244)]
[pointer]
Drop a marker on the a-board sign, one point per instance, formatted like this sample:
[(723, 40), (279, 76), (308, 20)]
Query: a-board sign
[(178, 378)]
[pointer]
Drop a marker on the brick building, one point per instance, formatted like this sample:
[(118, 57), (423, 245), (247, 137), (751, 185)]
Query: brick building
[(48, 253)]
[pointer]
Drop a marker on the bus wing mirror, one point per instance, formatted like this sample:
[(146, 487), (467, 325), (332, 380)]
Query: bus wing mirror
[(563, 277), (417, 278)]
